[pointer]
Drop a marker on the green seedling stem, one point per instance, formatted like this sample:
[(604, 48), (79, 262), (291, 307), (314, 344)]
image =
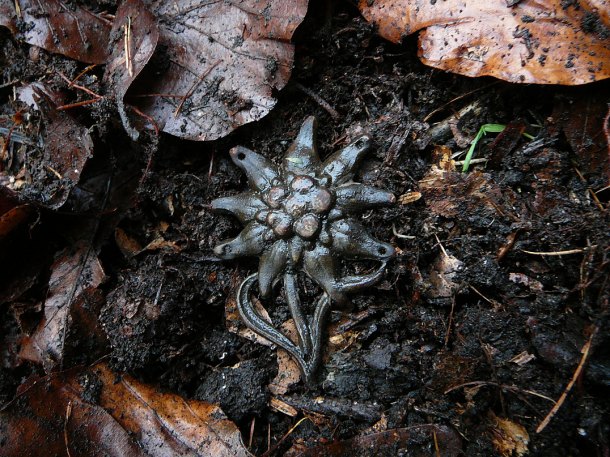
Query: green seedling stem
[(485, 128)]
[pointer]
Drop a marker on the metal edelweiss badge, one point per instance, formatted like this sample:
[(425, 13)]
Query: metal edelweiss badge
[(300, 216)]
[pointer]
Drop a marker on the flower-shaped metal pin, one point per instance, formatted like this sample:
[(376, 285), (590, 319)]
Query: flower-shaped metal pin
[(300, 216)]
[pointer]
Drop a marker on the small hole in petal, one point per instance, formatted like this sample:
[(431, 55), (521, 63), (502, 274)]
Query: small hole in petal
[(360, 143), (241, 156), (382, 251)]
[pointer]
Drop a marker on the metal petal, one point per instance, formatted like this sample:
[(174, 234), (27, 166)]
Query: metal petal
[(302, 155), (260, 171), (272, 263), (352, 239), (250, 242), (321, 266), (341, 165), (358, 197), (244, 206)]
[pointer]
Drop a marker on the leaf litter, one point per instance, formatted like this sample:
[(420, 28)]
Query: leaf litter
[(217, 64), (94, 412), (531, 41)]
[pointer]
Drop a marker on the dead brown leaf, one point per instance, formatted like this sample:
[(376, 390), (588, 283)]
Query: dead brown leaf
[(53, 25), (217, 64), (96, 413), (134, 38), (582, 120), (453, 194), (533, 41), (508, 437), (74, 275), (166, 424), (415, 439), (67, 148)]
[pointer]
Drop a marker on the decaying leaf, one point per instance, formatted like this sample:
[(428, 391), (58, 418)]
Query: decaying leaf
[(74, 275), (217, 64), (58, 420), (167, 424), (134, 38), (416, 439), (96, 413), (582, 121), (531, 41), (508, 437), (67, 148), (451, 194), (67, 29), (12, 211), (443, 276)]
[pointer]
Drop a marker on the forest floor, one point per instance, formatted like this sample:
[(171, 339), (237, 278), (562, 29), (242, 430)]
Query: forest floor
[(497, 299)]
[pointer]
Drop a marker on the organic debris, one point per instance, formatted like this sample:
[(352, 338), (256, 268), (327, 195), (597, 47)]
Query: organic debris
[(71, 30), (543, 42), (94, 412)]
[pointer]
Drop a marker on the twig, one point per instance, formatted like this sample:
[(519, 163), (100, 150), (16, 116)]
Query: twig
[(127, 43), (585, 354), (501, 386), (401, 235), (450, 323), (194, 86), (147, 117), (78, 104), (77, 86), (436, 449), (558, 253), (90, 67), (319, 100), (251, 432), (286, 435), (68, 413), (459, 97)]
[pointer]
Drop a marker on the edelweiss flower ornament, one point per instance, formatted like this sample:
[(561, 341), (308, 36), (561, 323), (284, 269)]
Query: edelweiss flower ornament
[(300, 216)]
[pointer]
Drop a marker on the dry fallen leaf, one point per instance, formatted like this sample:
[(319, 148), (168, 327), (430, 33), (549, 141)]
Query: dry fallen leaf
[(217, 64), (531, 41), (582, 120), (134, 38), (53, 25), (67, 148), (417, 439), (12, 212), (508, 437), (96, 413), (166, 424), (74, 275)]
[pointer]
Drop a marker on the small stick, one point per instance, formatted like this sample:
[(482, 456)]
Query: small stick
[(585, 354), (147, 117), (90, 67), (288, 433), (194, 86), (558, 253), (127, 42), (77, 86), (68, 414), (77, 104), (251, 432), (437, 450), (319, 100)]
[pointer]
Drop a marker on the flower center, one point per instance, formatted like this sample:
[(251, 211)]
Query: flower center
[(297, 208)]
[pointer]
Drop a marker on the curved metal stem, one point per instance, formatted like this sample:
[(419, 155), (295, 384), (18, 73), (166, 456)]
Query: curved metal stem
[(358, 282), (300, 321), (309, 352)]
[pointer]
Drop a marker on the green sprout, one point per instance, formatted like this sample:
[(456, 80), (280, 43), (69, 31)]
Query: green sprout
[(485, 128)]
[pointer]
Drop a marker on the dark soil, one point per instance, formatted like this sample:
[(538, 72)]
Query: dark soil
[(162, 310)]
